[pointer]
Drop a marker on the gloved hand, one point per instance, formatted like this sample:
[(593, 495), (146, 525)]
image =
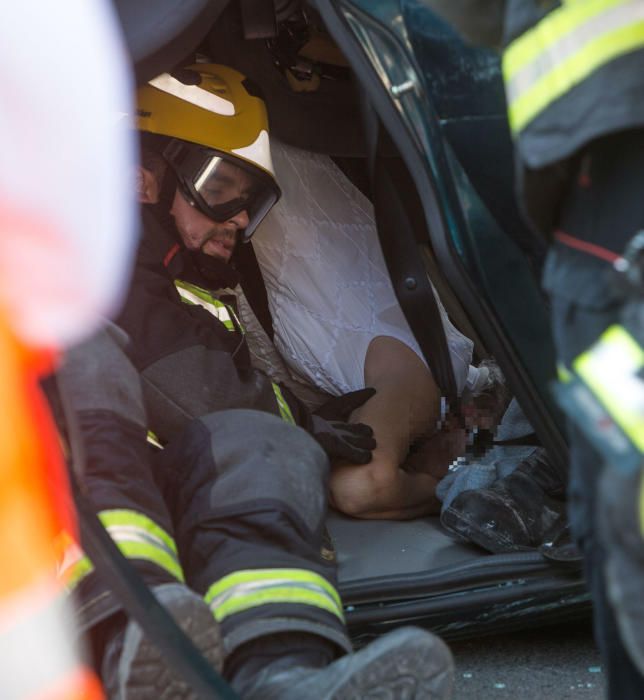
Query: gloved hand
[(339, 439), (351, 441), (341, 407)]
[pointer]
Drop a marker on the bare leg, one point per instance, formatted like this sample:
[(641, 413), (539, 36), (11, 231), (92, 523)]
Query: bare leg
[(405, 407)]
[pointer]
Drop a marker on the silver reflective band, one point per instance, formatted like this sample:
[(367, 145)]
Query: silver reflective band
[(137, 537), (200, 297), (565, 47), (258, 152), (569, 44), (193, 94), (132, 533), (244, 590)]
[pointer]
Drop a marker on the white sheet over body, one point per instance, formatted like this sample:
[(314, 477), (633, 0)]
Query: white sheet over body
[(328, 288)]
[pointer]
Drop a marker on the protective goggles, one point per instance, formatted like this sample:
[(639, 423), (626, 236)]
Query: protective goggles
[(222, 186)]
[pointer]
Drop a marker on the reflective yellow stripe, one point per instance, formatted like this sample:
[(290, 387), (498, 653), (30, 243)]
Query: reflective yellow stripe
[(610, 369), (72, 564), (153, 439), (292, 595), (137, 537), (77, 572), (112, 518), (197, 296), (550, 30), (564, 48), (244, 590), (280, 575), (564, 374), (285, 409)]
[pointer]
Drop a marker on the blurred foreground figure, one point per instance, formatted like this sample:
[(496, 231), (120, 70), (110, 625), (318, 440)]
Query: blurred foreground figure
[(574, 83), (65, 237)]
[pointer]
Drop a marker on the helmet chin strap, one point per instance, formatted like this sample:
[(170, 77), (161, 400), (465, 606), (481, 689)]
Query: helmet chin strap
[(161, 209), (168, 189)]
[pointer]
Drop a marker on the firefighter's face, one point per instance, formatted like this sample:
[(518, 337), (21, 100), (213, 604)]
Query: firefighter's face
[(198, 232)]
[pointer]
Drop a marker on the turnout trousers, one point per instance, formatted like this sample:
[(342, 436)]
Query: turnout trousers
[(601, 212), (234, 507)]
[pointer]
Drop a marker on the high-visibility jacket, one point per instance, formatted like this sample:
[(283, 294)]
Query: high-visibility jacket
[(187, 341), (226, 312), (572, 68), (573, 72)]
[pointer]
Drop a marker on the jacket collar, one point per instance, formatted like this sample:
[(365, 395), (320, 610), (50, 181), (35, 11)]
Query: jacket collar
[(162, 246)]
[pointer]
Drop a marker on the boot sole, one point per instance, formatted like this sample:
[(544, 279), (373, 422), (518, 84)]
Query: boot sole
[(419, 667), (149, 674), (470, 531)]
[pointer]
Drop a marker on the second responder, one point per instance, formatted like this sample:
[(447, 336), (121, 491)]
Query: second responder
[(205, 182), (575, 92)]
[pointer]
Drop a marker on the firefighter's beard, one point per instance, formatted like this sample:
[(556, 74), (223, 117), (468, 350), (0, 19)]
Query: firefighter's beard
[(220, 242)]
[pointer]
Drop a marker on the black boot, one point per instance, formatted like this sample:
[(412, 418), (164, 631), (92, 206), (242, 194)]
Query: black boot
[(133, 668), (515, 513), (406, 664)]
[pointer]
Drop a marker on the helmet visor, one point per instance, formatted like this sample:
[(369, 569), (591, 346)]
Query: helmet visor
[(221, 186)]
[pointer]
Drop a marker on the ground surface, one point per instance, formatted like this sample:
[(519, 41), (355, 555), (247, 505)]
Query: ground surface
[(558, 663)]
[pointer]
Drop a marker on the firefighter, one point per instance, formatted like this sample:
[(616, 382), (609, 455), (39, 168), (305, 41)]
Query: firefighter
[(225, 522), (574, 79), (225, 525), (205, 182)]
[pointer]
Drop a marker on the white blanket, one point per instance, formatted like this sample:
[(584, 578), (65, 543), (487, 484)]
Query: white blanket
[(328, 288)]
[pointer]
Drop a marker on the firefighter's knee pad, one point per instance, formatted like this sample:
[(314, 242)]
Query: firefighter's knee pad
[(260, 457), (97, 375)]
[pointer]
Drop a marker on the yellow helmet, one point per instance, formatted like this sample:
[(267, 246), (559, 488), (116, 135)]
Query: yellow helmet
[(219, 147)]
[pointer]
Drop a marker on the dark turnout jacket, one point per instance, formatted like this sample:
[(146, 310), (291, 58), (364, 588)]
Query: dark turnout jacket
[(605, 99), (190, 363), (574, 75)]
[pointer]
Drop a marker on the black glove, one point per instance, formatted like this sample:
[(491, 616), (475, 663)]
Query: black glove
[(341, 407), (351, 441), (339, 439)]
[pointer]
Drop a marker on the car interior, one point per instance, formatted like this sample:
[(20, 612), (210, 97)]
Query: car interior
[(318, 99)]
